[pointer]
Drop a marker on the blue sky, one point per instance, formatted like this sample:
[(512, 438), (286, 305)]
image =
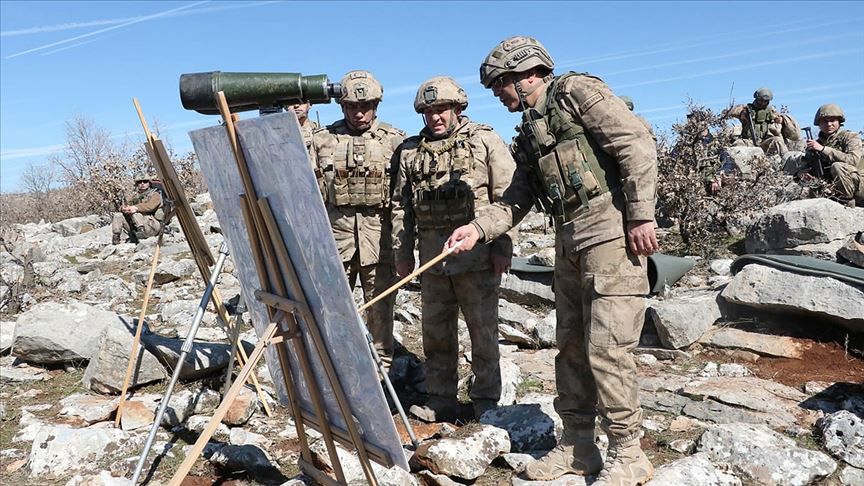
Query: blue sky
[(68, 58)]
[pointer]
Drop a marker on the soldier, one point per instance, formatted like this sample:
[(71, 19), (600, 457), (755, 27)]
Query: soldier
[(142, 215), (307, 126), (770, 128), (629, 102), (583, 156), (352, 162), (836, 155), (451, 168)]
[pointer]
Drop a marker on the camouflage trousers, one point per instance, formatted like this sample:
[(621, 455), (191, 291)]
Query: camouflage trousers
[(374, 280), (136, 224), (848, 183), (600, 307), (476, 294)]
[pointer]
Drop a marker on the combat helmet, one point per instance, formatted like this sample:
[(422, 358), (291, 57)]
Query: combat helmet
[(764, 94), (829, 109), (141, 176), (359, 86), (627, 101), (514, 55), (440, 90)]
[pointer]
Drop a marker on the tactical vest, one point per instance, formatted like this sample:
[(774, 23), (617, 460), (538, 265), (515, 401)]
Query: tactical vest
[(566, 166), (762, 118), (139, 198), (441, 179), (357, 173)]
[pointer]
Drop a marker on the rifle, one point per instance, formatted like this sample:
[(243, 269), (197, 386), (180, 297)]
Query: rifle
[(816, 161), (752, 127)]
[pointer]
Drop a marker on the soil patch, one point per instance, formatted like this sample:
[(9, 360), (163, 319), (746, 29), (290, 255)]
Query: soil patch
[(829, 362)]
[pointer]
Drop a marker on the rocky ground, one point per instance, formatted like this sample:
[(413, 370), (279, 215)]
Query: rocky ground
[(752, 379)]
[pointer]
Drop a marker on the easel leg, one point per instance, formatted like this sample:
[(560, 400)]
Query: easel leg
[(239, 383), (133, 353)]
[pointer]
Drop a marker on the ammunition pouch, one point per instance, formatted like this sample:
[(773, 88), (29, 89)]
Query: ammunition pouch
[(568, 179), (356, 187), (445, 208)]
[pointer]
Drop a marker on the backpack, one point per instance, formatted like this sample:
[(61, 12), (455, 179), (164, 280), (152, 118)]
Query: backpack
[(167, 203)]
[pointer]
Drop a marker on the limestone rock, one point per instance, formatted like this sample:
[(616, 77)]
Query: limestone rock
[(465, 454), (683, 317), (801, 222), (762, 344), (242, 408), (7, 334), (764, 456), (843, 434), (692, 470), (107, 368), (54, 333), (89, 408), (852, 252), (528, 425), (776, 404), (60, 450), (766, 288)]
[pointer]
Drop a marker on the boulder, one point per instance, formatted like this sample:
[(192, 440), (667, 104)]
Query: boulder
[(764, 456), (852, 252), (802, 222), (742, 157), (843, 436), (766, 288), (529, 426), (55, 333), (692, 470), (682, 318), (107, 367), (58, 450), (466, 454)]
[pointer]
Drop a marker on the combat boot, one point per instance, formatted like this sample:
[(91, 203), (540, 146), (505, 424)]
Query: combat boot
[(626, 465), (437, 409), (575, 454)]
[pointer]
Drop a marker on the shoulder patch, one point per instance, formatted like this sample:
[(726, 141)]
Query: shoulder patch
[(590, 101)]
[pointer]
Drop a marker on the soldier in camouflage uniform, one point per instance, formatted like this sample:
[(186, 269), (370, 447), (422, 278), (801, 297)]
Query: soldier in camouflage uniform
[(142, 215), (772, 129), (451, 168), (588, 161), (307, 125), (837, 153), (351, 159)]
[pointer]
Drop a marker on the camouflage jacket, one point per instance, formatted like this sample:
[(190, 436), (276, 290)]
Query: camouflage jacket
[(620, 134), (841, 146), (307, 129), (487, 176), (148, 202), (357, 229)]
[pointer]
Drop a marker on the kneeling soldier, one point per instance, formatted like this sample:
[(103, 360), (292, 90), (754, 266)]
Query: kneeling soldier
[(142, 215)]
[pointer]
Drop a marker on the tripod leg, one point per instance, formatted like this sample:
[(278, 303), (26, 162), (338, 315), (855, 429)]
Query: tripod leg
[(382, 370), (184, 351)]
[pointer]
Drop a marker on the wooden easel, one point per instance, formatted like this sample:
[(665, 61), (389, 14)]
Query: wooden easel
[(201, 253), (278, 283)]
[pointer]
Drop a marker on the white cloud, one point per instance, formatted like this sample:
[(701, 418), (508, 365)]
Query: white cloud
[(135, 20)]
